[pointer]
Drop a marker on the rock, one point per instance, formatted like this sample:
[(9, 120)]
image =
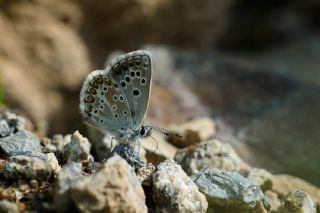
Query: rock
[(261, 177), (8, 207), (60, 141), (66, 177), (158, 149), (284, 184), (38, 167), (210, 154), (228, 189), (47, 145), (144, 174), (174, 191), (4, 129), (21, 143), (299, 201), (14, 122), (127, 152), (192, 132), (114, 188), (272, 201), (259, 208), (52, 160), (257, 99), (43, 33), (78, 149)]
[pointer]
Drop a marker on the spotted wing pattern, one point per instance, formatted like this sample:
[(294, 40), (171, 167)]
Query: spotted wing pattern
[(103, 104), (116, 99), (133, 73)]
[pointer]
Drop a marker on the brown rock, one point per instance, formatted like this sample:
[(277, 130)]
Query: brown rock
[(272, 201), (210, 154), (34, 36), (259, 208), (261, 177), (284, 184), (115, 188), (174, 191), (144, 174), (192, 132), (78, 149), (158, 149), (299, 201), (37, 166)]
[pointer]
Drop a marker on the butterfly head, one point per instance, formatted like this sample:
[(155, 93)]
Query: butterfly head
[(145, 131)]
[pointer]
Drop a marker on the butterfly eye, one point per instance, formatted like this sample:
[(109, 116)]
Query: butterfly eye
[(142, 131)]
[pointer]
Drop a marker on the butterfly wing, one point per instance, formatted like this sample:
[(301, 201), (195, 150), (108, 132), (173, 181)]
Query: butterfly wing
[(133, 72), (103, 103)]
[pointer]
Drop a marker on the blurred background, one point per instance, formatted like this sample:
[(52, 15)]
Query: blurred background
[(252, 66)]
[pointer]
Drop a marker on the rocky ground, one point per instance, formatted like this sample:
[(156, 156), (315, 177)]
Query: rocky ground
[(238, 80), (195, 173)]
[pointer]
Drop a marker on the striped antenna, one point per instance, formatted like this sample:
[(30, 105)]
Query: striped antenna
[(165, 132)]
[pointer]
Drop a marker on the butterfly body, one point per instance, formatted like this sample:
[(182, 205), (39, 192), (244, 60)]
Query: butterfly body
[(116, 99)]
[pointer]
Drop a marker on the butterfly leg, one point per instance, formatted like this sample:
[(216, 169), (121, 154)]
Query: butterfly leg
[(156, 142), (139, 146), (134, 153), (138, 160)]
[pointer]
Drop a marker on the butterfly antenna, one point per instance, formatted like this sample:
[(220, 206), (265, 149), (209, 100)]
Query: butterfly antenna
[(157, 143), (165, 132)]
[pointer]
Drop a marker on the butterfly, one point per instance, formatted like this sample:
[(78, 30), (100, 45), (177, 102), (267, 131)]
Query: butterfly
[(116, 99)]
